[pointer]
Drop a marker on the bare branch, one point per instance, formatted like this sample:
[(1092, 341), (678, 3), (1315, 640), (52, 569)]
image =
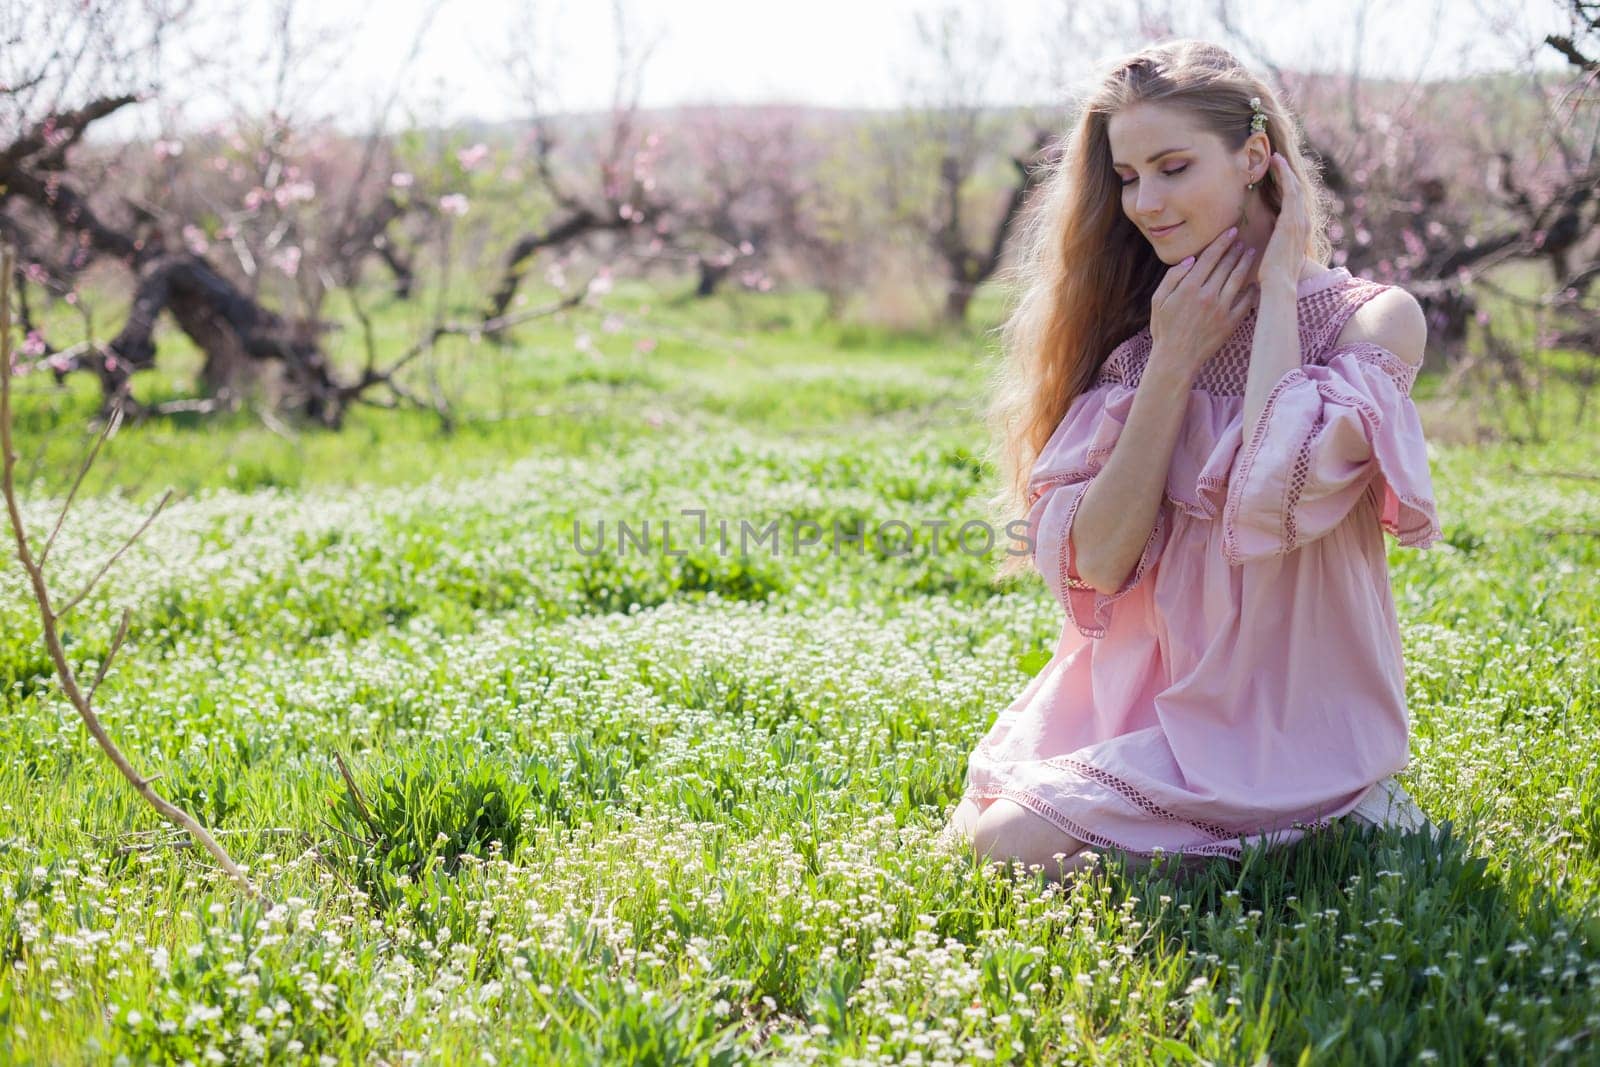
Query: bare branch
[(107, 430), (116, 643), (115, 555), (48, 617)]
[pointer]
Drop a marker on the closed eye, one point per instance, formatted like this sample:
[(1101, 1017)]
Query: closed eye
[(1168, 173)]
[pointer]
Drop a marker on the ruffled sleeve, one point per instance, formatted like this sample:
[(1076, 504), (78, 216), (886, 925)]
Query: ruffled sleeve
[(1327, 432), (1066, 466)]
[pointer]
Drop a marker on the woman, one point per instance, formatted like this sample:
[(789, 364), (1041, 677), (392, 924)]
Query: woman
[(1210, 430)]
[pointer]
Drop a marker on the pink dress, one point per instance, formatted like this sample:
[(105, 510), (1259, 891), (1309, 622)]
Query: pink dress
[(1246, 682)]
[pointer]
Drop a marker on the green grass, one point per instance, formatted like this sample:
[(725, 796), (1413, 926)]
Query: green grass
[(719, 365), (681, 808)]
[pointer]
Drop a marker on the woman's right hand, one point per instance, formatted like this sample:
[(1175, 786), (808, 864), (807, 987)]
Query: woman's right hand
[(1197, 307)]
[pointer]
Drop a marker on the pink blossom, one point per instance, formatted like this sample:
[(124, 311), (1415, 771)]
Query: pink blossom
[(599, 285), (612, 323), (1482, 317), (584, 343), (646, 344), (470, 158), (746, 248), (453, 204), (33, 344), (287, 260), (654, 420), (556, 276), (112, 364), (401, 179), (194, 237), (167, 149), (294, 192)]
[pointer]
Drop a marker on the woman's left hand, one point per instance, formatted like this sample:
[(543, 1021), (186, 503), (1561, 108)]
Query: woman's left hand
[(1291, 230)]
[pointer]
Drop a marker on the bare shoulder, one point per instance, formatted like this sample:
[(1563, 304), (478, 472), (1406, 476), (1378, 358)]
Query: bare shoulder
[(1392, 320)]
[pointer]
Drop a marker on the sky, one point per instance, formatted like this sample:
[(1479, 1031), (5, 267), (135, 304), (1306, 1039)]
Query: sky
[(838, 53)]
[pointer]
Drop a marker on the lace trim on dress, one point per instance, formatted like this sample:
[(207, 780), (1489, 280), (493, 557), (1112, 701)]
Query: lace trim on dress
[(1426, 535), (1097, 626), (1133, 795), (1326, 331), (1402, 373), (1072, 828), (1037, 487), (1322, 313), (1231, 848), (1323, 306), (1298, 474)]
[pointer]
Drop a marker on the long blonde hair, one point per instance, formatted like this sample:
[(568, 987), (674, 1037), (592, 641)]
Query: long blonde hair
[(1085, 274)]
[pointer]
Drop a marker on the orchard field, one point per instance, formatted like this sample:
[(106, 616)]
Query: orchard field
[(681, 808)]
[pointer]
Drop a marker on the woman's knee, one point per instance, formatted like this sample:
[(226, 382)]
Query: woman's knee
[(1008, 832), (965, 819)]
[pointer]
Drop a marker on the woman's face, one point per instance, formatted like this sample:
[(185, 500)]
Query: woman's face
[(1199, 188)]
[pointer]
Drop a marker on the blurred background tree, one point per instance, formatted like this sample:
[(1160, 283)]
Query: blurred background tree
[(281, 246)]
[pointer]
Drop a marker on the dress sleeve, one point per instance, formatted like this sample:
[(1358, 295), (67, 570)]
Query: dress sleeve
[(1067, 466), (1327, 432)]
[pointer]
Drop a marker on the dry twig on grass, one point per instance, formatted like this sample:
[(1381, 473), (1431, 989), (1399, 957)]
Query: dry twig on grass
[(49, 616)]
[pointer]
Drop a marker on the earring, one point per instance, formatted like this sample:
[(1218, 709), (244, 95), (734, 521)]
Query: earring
[(1250, 187)]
